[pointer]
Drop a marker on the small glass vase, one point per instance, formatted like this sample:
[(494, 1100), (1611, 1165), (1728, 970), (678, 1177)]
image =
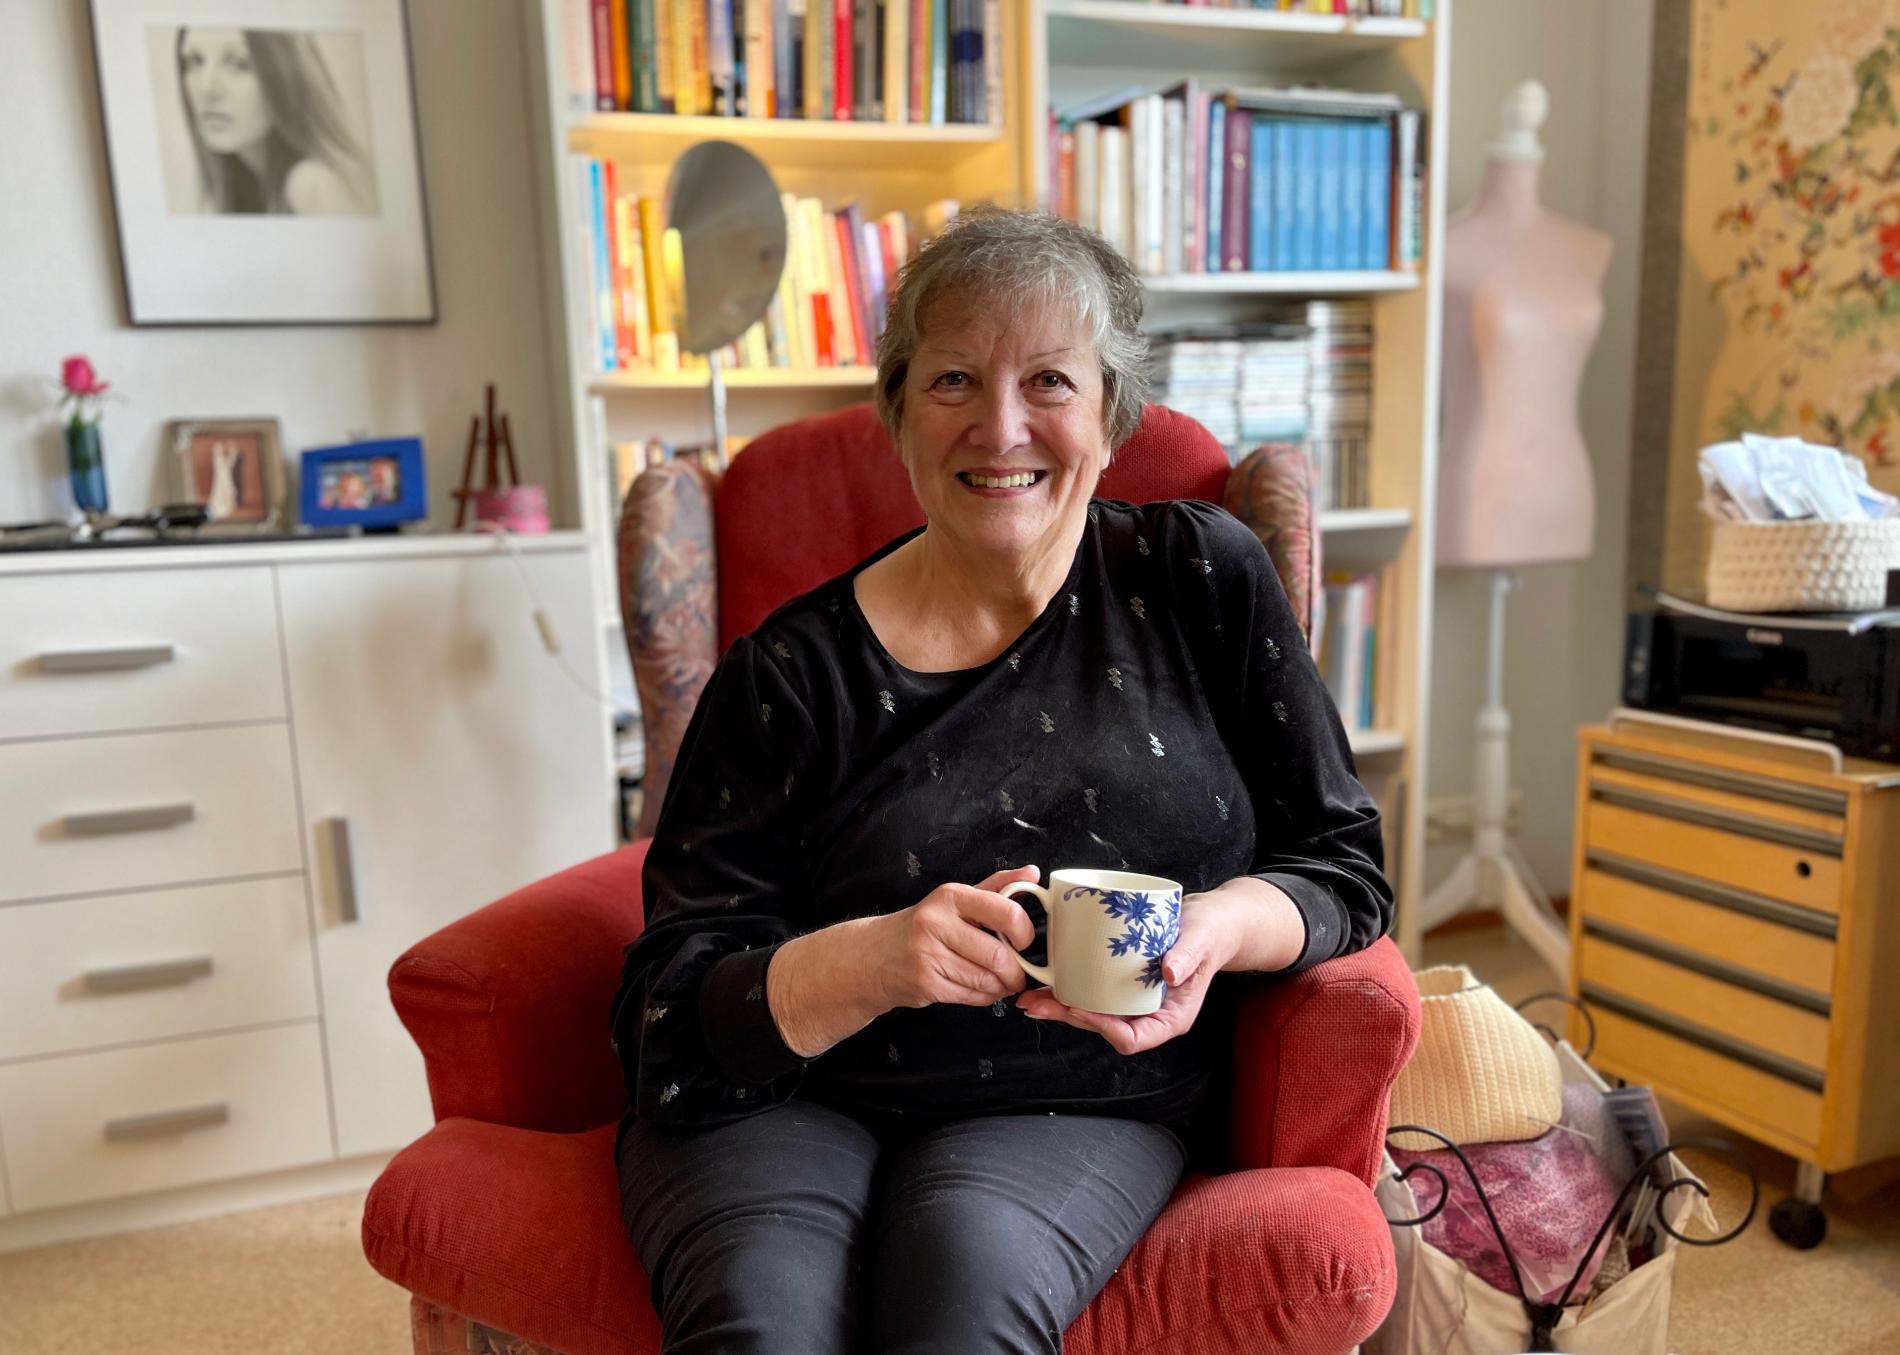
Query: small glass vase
[(86, 462)]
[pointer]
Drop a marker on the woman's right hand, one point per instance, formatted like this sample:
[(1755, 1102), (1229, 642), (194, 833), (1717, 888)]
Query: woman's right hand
[(827, 985), (945, 947)]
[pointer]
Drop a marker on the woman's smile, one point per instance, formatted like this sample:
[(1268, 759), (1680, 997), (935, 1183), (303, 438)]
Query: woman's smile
[(996, 482)]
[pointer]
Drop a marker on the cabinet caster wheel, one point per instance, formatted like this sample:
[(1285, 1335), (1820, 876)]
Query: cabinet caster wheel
[(1799, 1224)]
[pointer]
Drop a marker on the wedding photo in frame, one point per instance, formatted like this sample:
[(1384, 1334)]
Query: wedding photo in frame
[(265, 175), (234, 468)]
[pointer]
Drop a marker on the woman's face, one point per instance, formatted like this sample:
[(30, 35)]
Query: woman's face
[(221, 85), (997, 394)]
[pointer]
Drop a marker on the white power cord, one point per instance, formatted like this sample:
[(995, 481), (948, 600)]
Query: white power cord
[(543, 623)]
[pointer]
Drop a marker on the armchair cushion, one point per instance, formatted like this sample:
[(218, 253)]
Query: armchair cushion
[(521, 1231)]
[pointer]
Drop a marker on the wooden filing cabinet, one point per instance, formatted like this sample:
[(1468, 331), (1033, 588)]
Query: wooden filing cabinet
[(1734, 929)]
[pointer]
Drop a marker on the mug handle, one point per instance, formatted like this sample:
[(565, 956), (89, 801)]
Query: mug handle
[(1042, 973)]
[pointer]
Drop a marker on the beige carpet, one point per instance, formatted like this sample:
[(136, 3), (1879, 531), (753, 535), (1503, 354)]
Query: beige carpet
[(292, 1279)]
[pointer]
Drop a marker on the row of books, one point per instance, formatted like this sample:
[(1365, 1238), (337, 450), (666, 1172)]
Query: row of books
[(1185, 180), (828, 311), (915, 61), (1347, 652)]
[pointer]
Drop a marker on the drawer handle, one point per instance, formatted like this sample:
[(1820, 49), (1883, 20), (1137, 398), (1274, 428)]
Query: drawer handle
[(165, 1123), (1719, 896), (129, 820), (1728, 821), (343, 868), (137, 977), (1715, 1041), (106, 660)]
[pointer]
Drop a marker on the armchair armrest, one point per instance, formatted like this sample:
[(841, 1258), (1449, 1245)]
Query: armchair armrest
[(1315, 1057), (510, 1004), (669, 606)]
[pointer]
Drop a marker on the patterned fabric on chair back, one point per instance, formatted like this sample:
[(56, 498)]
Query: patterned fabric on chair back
[(805, 502)]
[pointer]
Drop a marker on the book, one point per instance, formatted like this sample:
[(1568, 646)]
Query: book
[(1215, 173), (644, 56), (1235, 195), (603, 55), (619, 35)]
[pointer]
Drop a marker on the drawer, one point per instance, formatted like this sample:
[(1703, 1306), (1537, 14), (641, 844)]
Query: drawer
[(81, 973), (1780, 862), (96, 1126), (1786, 1022), (1643, 1045), (95, 652), (82, 816), (1763, 936)]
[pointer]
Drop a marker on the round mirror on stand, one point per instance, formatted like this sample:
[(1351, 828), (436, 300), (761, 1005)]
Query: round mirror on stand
[(723, 207)]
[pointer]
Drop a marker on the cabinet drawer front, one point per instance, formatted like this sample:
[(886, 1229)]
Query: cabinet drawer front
[(1802, 956), (96, 1126), (95, 652), (82, 816), (1770, 1025), (1809, 877), (1631, 1044), (81, 973)]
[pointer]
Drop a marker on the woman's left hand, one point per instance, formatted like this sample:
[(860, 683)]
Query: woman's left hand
[(1208, 940)]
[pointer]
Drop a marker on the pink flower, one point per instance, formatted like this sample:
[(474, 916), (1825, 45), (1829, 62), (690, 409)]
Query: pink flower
[(77, 376)]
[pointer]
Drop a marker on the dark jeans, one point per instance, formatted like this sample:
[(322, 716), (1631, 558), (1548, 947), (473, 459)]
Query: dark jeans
[(802, 1231)]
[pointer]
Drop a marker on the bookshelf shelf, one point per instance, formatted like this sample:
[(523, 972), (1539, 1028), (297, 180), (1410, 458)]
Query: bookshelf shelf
[(1346, 521), (1320, 29), (807, 143), (768, 378), (1099, 32), (1366, 742), (1278, 284)]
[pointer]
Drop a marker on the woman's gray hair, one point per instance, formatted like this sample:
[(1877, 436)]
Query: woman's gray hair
[(993, 257)]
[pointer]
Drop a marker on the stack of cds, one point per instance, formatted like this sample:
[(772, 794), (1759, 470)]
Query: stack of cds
[(1246, 383), (1339, 395), (1274, 373), (1197, 372)]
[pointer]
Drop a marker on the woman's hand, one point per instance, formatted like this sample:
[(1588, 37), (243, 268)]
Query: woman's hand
[(827, 985), (944, 948), (1244, 924)]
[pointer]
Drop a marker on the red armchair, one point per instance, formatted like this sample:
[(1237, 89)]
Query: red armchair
[(503, 1221)]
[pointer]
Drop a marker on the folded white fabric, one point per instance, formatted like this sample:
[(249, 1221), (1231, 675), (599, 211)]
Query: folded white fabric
[(1481, 1073)]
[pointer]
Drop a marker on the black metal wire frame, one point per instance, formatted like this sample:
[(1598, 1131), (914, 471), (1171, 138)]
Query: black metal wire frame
[(1589, 1019), (1545, 1316)]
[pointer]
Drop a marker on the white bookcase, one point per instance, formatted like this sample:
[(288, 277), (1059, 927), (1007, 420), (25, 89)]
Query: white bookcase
[(1060, 51)]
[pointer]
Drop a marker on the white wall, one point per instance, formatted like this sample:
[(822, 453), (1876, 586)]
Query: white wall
[(1565, 626), (60, 291)]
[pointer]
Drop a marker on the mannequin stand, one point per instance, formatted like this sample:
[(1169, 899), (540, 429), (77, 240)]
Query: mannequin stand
[(1493, 874)]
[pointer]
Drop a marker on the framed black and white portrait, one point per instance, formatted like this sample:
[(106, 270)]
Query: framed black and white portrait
[(265, 175)]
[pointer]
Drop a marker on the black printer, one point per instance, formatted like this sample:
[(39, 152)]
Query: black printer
[(1829, 677)]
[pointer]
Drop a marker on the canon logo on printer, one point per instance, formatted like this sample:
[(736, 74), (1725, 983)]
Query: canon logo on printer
[(1763, 637)]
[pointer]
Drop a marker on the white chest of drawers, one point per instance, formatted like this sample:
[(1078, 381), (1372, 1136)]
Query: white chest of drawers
[(236, 782)]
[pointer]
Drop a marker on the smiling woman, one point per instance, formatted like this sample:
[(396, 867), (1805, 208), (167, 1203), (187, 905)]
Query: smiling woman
[(825, 994)]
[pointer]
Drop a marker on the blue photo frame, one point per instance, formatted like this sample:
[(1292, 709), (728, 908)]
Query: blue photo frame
[(364, 484)]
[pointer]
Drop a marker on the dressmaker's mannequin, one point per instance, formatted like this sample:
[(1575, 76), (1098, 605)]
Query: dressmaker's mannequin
[(1523, 303)]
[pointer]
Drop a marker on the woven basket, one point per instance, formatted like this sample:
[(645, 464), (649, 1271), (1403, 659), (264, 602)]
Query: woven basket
[(1481, 1073), (1802, 566)]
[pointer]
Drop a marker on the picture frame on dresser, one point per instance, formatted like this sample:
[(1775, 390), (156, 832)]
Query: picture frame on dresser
[(233, 468), (265, 175)]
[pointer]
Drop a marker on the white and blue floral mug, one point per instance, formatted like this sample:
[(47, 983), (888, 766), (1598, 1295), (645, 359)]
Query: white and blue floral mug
[(1108, 930)]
